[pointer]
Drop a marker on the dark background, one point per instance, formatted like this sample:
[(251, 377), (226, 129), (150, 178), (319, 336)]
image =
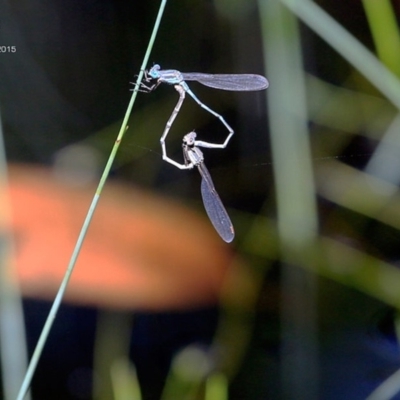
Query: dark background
[(69, 82)]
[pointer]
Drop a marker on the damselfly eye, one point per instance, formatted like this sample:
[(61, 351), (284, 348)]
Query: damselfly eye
[(154, 71)]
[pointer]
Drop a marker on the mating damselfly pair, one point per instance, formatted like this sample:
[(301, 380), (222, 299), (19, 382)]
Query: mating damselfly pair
[(193, 157)]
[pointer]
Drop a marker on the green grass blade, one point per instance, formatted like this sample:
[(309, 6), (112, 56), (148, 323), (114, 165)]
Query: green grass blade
[(57, 302), (296, 199), (348, 47), (385, 32)]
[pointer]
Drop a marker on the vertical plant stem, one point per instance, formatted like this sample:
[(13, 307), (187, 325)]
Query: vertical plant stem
[(296, 203), (56, 304), (113, 334), (13, 349)]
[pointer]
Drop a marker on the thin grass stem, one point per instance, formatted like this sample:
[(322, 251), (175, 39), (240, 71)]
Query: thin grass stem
[(57, 301)]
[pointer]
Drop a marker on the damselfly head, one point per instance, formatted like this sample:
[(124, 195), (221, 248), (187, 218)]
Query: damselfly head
[(154, 71), (190, 138)]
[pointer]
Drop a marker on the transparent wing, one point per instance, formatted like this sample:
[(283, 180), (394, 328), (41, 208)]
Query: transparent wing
[(234, 82), (214, 207)]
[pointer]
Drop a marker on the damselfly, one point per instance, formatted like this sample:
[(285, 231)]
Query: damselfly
[(193, 157)]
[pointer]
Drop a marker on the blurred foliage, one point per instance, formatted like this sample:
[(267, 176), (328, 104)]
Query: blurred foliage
[(320, 195)]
